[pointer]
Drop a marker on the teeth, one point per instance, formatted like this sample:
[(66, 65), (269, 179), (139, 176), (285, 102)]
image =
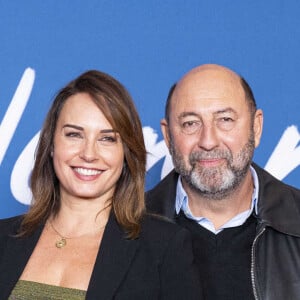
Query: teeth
[(87, 172)]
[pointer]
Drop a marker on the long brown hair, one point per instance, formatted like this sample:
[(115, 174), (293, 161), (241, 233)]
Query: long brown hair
[(116, 104)]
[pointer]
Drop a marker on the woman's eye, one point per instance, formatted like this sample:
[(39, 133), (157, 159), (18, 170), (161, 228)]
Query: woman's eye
[(108, 139), (73, 134)]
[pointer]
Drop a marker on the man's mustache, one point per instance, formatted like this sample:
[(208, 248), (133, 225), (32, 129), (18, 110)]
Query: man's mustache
[(214, 154)]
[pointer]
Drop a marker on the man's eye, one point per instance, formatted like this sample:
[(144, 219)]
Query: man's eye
[(190, 127), (189, 124), (226, 123), (227, 119)]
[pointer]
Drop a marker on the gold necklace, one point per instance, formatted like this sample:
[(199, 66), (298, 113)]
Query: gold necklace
[(62, 242)]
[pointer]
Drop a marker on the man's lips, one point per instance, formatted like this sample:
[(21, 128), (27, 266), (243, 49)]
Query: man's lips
[(210, 161)]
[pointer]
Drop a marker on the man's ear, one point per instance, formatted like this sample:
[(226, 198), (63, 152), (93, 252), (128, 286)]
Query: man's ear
[(165, 131), (258, 126)]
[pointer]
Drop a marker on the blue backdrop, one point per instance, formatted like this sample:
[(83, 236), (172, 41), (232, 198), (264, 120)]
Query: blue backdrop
[(147, 45)]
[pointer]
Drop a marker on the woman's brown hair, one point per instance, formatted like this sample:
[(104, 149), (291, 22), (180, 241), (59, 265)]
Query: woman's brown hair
[(116, 104)]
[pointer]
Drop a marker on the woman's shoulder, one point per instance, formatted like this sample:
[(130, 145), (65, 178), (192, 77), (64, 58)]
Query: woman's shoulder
[(10, 225)]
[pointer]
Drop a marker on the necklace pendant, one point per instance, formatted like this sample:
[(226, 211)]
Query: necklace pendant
[(61, 243)]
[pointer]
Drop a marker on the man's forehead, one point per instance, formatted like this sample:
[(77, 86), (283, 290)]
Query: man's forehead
[(214, 111), (205, 85)]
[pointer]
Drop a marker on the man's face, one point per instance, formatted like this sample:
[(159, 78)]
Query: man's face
[(210, 133)]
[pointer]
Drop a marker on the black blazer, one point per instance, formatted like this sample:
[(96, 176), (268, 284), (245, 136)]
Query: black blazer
[(157, 265)]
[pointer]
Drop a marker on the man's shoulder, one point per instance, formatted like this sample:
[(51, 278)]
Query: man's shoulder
[(160, 230), (161, 199), (169, 181), (155, 222), (278, 203), (269, 184)]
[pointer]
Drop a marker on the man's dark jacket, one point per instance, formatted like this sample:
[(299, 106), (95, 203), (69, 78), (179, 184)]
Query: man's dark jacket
[(275, 254)]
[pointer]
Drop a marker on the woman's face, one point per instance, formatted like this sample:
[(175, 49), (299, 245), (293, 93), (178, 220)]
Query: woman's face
[(88, 154)]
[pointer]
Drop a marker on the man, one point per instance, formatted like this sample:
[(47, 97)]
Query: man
[(245, 223)]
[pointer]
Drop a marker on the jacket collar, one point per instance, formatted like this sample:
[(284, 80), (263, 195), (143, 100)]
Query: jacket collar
[(113, 261), (161, 199), (278, 203), (15, 256)]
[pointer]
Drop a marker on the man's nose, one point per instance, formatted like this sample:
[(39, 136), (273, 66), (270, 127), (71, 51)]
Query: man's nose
[(208, 137)]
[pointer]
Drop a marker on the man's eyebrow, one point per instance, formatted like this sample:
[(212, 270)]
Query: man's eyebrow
[(81, 128), (187, 114), (217, 112)]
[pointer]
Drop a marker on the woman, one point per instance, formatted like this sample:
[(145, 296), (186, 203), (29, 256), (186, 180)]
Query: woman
[(86, 235)]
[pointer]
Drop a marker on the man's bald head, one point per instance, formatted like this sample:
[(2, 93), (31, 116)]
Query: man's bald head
[(206, 80)]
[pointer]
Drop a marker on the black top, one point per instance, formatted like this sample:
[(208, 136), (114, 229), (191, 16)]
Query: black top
[(223, 259)]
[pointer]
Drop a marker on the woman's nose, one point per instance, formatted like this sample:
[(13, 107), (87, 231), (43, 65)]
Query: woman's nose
[(89, 151)]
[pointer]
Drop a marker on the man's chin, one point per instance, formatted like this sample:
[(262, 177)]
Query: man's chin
[(212, 183), (212, 192)]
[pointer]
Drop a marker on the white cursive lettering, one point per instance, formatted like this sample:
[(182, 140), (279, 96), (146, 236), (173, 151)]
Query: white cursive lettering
[(286, 155), (15, 110)]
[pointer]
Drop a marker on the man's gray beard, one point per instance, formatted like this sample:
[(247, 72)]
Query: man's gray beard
[(214, 182)]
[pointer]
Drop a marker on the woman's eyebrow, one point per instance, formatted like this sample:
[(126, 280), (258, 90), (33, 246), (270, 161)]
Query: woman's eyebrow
[(73, 126), (81, 128)]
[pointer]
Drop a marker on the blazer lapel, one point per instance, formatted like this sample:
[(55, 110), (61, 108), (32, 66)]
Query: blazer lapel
[(112, 263), (17, 253)]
